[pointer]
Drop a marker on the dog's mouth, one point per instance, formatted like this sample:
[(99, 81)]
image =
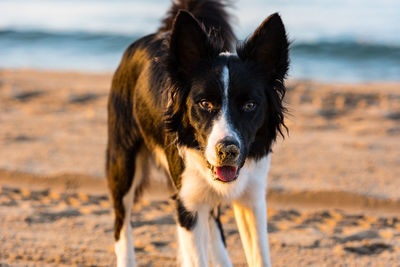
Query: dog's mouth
[(224, 174)]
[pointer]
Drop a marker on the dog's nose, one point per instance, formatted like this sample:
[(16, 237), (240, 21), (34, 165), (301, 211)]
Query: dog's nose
[(227, 151)]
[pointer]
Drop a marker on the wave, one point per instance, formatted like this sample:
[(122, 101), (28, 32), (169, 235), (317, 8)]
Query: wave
[(349, 50), (346, 61), (77, 39), (335, 59)]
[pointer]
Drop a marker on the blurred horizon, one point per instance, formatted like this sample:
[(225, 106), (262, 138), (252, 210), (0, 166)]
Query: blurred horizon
[(337, 41)]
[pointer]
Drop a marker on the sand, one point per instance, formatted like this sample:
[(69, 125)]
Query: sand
[(333, 193)]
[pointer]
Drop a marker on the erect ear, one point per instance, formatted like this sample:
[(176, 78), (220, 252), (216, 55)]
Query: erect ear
[(189, 43), (268, 47)]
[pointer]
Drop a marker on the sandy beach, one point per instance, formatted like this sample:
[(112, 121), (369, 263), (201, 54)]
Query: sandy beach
[(333, 197)]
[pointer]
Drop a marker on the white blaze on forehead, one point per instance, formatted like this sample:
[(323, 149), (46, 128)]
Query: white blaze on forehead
[(221, 127), (225, 81), (226, 53)]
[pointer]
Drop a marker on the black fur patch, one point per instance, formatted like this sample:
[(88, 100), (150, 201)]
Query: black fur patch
[(186, 219), (120, 171)]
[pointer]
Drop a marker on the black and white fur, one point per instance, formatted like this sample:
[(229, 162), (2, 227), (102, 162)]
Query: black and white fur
[(191, 119)]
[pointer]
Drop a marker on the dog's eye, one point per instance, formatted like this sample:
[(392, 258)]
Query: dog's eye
[(206, 105), (249, 106)]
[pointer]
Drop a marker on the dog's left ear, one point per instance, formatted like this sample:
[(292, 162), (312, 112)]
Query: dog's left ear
[(268, 47)]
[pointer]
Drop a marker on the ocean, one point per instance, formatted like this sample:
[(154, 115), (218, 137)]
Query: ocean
[(332, 41)]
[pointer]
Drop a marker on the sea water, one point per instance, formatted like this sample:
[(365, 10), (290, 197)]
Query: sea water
[(341, 40)]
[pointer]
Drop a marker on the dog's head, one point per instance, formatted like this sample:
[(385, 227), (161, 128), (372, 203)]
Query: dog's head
[(226, 107)]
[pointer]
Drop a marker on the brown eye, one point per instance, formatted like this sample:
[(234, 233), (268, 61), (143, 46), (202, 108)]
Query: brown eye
[(206, 105), (249, 106)]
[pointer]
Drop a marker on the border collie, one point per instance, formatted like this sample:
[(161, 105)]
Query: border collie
[(191, 118)]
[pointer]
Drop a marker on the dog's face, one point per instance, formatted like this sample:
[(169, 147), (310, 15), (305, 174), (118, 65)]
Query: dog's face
[(225, 112), (227, 107)]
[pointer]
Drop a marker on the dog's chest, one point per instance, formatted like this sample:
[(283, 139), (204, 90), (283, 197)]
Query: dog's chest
[(199, 186)]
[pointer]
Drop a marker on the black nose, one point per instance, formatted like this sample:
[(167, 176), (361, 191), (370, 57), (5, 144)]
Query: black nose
[(227, 151)]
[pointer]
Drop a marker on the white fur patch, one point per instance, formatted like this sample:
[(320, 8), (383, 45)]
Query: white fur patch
[(219, 254), (251, 215), (248, 193), (124, 246), (220, 130), (257, 173), (226, 53), (225, 80), (198, 185), (193, 243), (221, 127)]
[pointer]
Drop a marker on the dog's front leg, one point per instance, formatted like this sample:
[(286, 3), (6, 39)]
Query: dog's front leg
[(219, 254), (193, 235), (251, 218)]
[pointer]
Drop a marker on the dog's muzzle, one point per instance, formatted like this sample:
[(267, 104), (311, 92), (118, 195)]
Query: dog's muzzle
[(227, 152)]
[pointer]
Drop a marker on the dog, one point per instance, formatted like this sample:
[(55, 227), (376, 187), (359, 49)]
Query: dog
[(192, 119)]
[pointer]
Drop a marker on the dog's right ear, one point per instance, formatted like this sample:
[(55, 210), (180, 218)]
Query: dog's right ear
[(189, 46), (189, 43)]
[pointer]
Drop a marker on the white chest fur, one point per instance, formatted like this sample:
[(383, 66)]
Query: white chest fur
[(199, 187)]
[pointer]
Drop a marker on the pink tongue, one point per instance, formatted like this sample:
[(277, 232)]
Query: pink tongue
[(226, 173)]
